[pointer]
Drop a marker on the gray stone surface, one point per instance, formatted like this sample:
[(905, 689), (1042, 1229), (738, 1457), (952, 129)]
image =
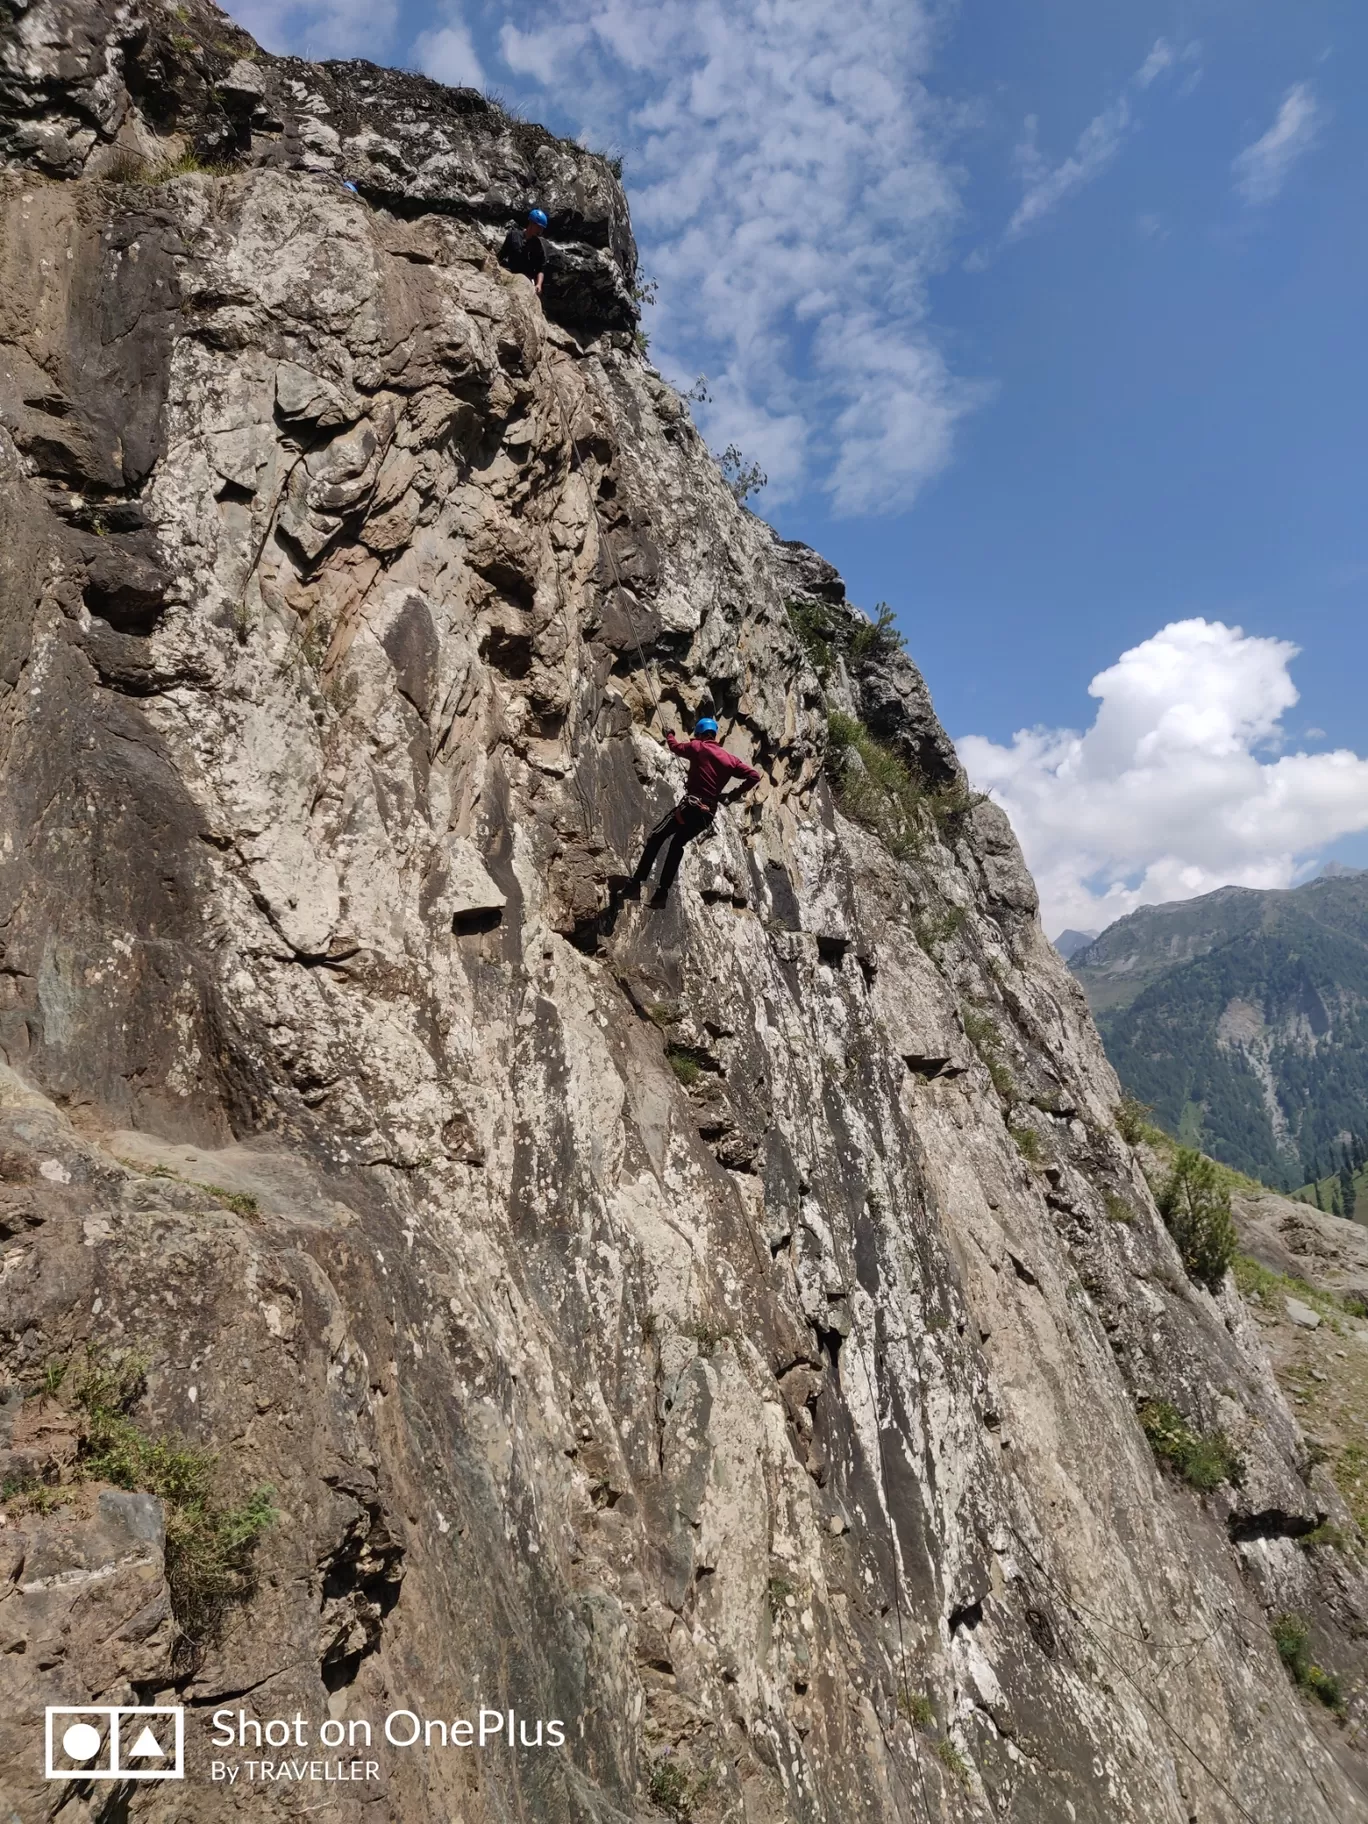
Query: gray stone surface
[(345, 600)]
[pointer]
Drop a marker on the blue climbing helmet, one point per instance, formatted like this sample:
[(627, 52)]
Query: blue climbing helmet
[(705, 726), (538, 216)]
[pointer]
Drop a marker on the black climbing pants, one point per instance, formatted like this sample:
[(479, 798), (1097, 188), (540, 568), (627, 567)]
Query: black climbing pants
[(678, 827)]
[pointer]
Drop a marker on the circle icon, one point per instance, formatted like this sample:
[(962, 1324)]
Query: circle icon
[(81, 1742)]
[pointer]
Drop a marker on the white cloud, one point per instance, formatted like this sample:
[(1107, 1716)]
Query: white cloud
[(791, 190), (320, 28), (1165, 57), (1178, 787), (1045, 186), (448, 54), (1161, 58), (1262, 169)]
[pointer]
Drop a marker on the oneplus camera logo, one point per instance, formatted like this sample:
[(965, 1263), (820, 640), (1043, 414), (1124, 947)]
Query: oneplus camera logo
[(115, 1742)]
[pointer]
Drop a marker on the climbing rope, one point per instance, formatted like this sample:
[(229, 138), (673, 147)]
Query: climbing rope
[(1155, 1708)]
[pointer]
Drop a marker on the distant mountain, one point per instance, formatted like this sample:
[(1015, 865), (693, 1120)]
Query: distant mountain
[(1241, 1018), (1068, 942)]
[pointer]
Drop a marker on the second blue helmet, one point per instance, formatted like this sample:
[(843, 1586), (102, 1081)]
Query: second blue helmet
[(705, 726), (538, 216)]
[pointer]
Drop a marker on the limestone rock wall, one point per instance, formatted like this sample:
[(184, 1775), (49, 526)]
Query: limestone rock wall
[(720, 1328)]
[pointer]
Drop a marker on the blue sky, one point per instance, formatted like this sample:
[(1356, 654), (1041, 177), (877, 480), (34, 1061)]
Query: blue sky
[(1047, 322)]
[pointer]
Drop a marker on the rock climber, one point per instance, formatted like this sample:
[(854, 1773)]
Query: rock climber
[(710, 769), (524, 250)]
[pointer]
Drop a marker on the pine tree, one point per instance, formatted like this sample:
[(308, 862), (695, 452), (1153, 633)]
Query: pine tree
[(1348, 1196), (1319, 1204)]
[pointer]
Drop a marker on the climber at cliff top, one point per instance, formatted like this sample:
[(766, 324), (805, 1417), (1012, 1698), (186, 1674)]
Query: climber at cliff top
[(710, 768), (524, 250)]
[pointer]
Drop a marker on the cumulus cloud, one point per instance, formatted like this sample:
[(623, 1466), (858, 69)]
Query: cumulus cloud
[(448, 53), (320, 28), (1262, 169), (1179, 786), (792, 192)]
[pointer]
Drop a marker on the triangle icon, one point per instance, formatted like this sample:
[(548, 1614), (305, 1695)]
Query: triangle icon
[(147, 1747)]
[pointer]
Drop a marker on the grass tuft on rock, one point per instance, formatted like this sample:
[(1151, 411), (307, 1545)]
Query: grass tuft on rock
[(1028, 1144), (1292, 1637), (1203, 1459), (918, 1709), (952, 1760), (982, 1033), (875, 788)]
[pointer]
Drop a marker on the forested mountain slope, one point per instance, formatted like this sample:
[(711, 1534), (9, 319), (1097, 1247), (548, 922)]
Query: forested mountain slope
[(1242, 1019)]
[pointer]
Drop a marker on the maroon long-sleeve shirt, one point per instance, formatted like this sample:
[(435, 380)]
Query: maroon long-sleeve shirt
[(710, 767)]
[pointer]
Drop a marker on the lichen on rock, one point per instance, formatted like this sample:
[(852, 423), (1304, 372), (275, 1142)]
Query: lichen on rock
[(773, 1421)]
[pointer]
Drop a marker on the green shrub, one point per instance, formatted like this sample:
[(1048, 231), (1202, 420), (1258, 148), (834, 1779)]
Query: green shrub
[(209, 1546), (673, 1791), (1327, 1534), (876, 639), (684, 1064), (31, 1495), (1204, 1459), (1133, 1120), (743, 477), (1117, 1207), (1195, 1205), (813, 624), (1291, 1636)]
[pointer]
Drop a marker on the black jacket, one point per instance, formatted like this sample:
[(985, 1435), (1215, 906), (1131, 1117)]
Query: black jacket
[(525, 253)]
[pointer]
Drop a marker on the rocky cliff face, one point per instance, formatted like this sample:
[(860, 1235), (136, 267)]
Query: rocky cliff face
[(721, 1329)]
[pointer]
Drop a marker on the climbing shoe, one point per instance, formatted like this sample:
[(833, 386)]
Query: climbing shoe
[(660, 897)]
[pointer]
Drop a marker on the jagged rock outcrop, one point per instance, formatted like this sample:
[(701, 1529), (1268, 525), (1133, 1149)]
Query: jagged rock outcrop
[(720, 1328)]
